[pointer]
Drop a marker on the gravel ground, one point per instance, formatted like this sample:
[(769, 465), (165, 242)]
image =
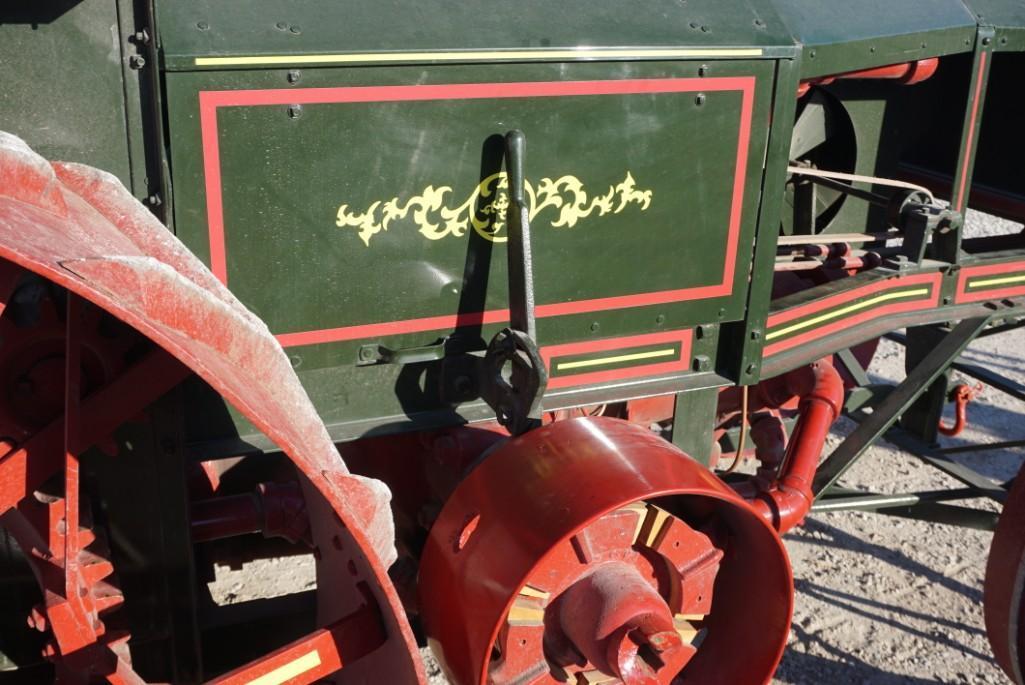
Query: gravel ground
[(880, 600)]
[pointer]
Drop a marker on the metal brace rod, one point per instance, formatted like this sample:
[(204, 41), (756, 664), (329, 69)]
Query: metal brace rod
[(854, 367), (949, 514), (981, 447), (923, 506), (909, 443), (889, 410), (845, 499)]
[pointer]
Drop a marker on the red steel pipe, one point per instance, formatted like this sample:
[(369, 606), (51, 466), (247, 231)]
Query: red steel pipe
[(787, 501), (906, 73)]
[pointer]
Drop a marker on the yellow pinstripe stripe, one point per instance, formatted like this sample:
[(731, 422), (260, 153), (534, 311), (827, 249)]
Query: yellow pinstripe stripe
[(836, 313), (455, 56), (996, 281), (562, 366)]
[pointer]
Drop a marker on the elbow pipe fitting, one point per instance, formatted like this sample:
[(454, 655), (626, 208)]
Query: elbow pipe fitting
[(821, 393)]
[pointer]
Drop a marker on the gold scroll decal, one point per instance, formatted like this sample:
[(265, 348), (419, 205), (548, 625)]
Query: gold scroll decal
[(565, 199)]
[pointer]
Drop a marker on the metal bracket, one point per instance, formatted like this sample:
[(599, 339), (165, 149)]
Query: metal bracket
[(919, 219), (375, 353)]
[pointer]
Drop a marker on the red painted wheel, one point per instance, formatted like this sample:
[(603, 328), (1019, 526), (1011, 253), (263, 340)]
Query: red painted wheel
[(592, 551), (1004, 590), (100, 255)]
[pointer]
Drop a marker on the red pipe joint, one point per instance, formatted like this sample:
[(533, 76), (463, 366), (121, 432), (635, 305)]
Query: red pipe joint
[(785, 502)]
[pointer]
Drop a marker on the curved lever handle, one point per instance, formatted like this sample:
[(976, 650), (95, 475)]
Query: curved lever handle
[(515, 157)]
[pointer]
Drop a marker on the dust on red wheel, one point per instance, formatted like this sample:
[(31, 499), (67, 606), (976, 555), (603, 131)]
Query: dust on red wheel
[(1004, 588), (592, 551)]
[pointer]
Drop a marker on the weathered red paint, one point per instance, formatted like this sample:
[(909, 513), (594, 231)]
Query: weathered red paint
[(79, 228)]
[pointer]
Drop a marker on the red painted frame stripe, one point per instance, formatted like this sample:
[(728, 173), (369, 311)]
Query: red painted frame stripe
[(932, 300), (681, 363), (970, 142), (211, 101), (962, 295), (801, 311)]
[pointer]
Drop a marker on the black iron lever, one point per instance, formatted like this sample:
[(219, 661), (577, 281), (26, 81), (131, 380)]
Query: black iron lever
[(521, 276), (514, 377)]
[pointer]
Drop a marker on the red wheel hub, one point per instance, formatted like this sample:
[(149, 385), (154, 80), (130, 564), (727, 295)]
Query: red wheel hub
[(548, 565)]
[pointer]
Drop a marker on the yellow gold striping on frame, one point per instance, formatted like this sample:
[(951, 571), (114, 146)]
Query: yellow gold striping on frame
[(290, 670), (996, 281), (563, 366), (847, 310), (455, 56)]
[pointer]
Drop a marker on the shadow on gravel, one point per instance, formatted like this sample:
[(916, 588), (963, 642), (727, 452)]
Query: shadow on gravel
[(817, 532), (880, 612), (800, 668), (810, 658)]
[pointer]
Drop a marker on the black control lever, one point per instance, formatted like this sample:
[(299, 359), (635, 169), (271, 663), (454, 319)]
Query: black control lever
[(521, 270), (513, 374)]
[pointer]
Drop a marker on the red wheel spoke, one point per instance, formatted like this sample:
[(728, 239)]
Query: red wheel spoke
[(27, 468), (72, 397)]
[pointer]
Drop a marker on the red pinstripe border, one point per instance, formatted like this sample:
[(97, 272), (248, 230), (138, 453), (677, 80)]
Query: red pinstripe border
[(963, 295), (976, 99), (681, 363), (211, 101), (933, 279)]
